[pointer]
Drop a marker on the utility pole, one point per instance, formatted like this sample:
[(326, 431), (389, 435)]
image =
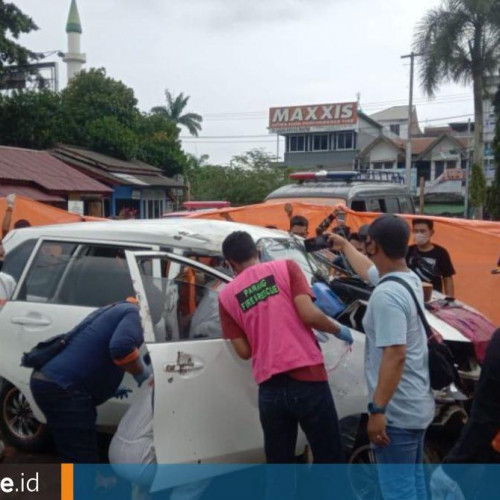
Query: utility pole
[(410, 117), (467, 170)]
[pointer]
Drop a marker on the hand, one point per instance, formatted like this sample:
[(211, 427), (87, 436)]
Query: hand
[(336, 242), (122, 392), (143, 376), (10, 200), (377, 434), (345, 334)]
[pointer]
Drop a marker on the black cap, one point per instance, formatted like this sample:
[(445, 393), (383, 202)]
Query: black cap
[(392, 234)]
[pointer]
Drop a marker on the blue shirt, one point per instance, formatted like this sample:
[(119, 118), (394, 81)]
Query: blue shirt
[(88, 361), (392, 319)]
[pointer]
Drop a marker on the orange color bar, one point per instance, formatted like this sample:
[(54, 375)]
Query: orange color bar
[(67, 492)]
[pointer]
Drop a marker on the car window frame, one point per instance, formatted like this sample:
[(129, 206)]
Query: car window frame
[(79, 242)]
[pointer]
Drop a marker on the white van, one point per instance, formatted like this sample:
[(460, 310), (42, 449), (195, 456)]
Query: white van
[(205, 394)]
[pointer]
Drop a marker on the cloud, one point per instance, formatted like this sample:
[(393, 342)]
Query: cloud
[(231, 14)]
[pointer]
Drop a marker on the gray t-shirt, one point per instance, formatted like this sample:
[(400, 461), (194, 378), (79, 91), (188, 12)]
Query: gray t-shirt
[(392, 319)]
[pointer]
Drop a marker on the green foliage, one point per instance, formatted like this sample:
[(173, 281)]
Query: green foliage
[(477, 186), (92, 96), (108, 136), (13, 23), (249, 179), (94, 112), (457, 40), (174, 112), (30, 119)]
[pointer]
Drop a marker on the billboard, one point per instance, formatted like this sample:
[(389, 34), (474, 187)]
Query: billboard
[(316, 117)]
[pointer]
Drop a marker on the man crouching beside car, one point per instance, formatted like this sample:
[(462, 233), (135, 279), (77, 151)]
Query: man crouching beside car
[(85, 374)]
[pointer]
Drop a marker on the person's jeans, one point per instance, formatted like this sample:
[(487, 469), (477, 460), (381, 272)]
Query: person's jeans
[(284, 404), (71, 418), (401, 470)]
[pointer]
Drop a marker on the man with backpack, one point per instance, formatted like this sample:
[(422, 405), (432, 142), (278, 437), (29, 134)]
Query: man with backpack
[(87, 372), (396, 357)]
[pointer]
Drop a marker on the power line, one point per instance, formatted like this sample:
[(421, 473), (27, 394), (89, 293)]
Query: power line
[(221, 139)]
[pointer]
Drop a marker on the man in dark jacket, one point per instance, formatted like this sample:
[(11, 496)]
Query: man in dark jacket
[(85, 374)]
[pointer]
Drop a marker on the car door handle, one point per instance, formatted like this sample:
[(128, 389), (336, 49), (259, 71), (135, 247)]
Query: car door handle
[(185, 364), (30, 321)]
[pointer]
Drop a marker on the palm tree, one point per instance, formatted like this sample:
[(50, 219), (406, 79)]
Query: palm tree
[(174, 111), (460, 42)]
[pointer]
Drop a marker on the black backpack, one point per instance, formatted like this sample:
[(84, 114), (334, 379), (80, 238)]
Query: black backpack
[(442, 369)]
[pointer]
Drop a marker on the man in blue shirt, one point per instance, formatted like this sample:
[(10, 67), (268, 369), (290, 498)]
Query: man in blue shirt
[(85, 374), (396, 358)]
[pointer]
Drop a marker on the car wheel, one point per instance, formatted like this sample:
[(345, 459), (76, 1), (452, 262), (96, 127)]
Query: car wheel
[(18, 423)]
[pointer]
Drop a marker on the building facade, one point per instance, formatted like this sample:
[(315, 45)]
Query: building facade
[(323, 136), (137, 189)]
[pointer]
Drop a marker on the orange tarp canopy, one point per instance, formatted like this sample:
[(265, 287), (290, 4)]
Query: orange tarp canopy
[(39, 214), (474, 246)]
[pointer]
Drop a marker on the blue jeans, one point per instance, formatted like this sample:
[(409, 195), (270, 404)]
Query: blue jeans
[(284, 404), (401, 470), (71, 418)]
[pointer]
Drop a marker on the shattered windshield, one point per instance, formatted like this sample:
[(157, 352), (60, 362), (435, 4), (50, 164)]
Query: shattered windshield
[(292, 249)]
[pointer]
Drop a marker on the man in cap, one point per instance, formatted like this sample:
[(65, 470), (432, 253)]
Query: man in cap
[(396, 357)]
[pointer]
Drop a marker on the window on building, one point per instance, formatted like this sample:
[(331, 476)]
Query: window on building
[(297, 143), (439, 168), (395, 129), (320, 142), (377, 165), (451, 164), (345, 140)]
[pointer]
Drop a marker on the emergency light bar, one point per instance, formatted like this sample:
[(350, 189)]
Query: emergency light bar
[(324, 175)]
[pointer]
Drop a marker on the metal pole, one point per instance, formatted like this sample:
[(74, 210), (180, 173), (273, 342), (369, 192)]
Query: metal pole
[(277, 147), (467, 172), (410, 119)]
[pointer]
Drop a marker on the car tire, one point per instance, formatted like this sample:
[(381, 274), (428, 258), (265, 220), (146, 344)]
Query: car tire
[(18, 424)]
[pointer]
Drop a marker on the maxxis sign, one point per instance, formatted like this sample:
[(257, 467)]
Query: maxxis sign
[(316, 117)]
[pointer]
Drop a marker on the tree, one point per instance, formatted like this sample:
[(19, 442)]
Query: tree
[(477, 186), (30, 119), (249, 179), (460, 42), (13, 23), (159, 144), (174, 111), (108, 136), (90, 96)]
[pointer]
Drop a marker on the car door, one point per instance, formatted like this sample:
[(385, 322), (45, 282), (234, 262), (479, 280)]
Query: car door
[(205, 403), (63, 282)]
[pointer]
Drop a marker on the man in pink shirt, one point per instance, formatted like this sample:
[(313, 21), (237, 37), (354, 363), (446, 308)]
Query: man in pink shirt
[(267, 312)]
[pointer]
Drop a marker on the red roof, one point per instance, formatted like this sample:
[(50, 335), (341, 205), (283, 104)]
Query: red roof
[(28, 192), (43, 169)]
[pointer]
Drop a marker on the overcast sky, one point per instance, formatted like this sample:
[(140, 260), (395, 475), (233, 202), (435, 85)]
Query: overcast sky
[(237, 58)]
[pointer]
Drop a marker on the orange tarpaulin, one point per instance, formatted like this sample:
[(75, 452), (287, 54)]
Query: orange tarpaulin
[(474, 246), (39, 214)]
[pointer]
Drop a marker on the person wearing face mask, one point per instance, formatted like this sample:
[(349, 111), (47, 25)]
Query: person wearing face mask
[(431, 262), (396, 357)]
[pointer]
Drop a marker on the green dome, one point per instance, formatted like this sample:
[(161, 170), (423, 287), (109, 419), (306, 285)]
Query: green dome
[(74, 25)]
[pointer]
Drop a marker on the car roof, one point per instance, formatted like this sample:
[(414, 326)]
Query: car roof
[(197, 234), (343, 190)]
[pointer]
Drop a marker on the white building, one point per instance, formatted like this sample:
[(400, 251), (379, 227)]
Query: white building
[(395, 121), (489, 117), (74, 58)]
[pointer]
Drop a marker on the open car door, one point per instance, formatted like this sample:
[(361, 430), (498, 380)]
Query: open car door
[(205, 398)]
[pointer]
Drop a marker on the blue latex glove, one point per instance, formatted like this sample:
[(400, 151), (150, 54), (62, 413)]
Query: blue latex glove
[(345, 334), (122, 392), (144, 375)]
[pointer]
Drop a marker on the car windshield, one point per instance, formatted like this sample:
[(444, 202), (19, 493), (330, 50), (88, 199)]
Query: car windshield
[(292, 249)]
